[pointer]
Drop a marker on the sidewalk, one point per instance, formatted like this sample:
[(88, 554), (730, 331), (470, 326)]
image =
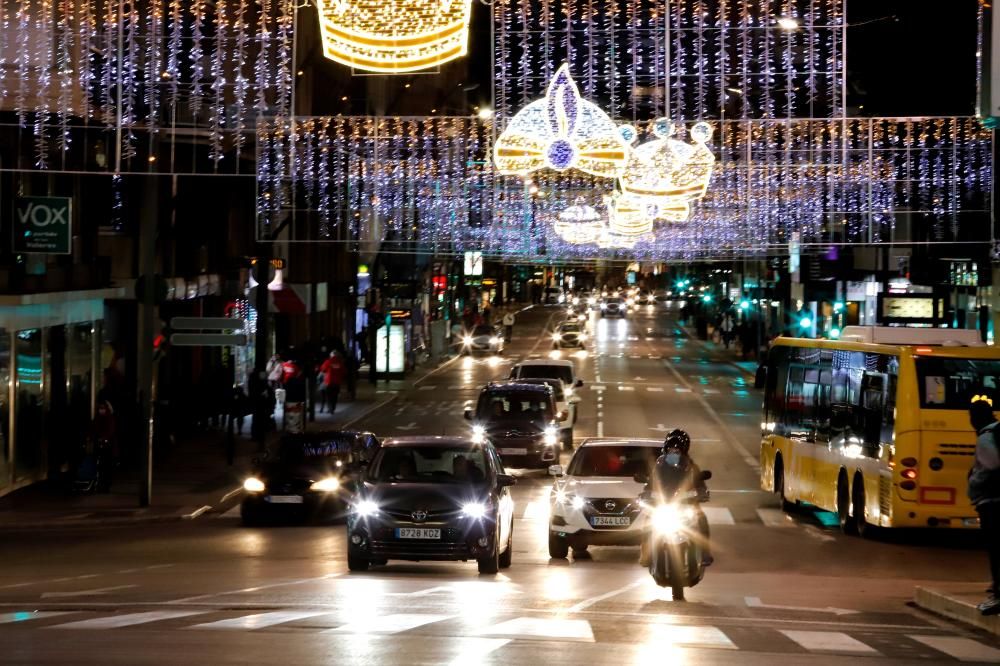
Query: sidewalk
[(190, 480), (732, 356), (957, 601)]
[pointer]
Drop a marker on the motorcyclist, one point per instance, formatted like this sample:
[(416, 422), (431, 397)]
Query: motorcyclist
[(675, 455)]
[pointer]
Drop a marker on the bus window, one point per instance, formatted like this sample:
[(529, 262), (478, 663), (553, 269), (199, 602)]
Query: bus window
[(945, 383), (774, 391)]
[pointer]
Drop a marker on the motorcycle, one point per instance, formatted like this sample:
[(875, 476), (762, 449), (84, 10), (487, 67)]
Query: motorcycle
[(674, 541)]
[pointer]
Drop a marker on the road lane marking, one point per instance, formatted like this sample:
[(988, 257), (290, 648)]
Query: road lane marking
[(963, 649), (829, 641), (389, 624), (535, 509), (775, 518), (245, 590), (622, 387), (654, 389), (232, 513), (260, 620), (128, 620), (755, 602), (27, 616), (689, 636), (85, 593), (600, 428), (543, 629), (587, 603), (429, 387), (718, 515), (681, 389), (472, 650)]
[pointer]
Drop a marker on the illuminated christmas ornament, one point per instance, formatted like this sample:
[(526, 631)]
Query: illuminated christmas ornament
[(580, 224), (561, 131), (394, 35), (630, 216), (668, 174)]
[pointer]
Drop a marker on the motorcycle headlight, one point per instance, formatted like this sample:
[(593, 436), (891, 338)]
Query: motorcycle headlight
[(467, 340), (670, 519), (253, 485), (366, 508), (478, 434), (475, 510), (327, 485), (551, 436)]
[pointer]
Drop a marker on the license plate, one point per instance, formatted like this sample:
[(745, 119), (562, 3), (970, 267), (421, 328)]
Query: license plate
[(417, 533), (610, 521), (284, 499), (513, 452)]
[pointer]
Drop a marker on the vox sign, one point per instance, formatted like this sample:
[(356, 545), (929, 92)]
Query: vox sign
[(43, 225)]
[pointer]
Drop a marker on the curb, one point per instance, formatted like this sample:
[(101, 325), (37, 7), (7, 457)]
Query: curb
[(694, 338), (956, 609), (85, 524)]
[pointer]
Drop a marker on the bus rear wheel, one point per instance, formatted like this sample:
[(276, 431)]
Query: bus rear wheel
[(848, 525), (863, 527), (779, 486)]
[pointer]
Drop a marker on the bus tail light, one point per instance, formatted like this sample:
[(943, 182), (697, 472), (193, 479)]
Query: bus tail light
[(909, 474)]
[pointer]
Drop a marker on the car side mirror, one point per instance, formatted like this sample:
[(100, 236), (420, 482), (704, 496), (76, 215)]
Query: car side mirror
[(468, 415), (706, 475), (579, 383), (555, 470), (506, 480), (760, 378), (640, 477)]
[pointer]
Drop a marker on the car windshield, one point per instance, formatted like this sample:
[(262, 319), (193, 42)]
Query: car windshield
[(534, 407), (315, 449), (945, 383), (563, 373), (482, 330), (623, 460), (429, 464), (614, 301), (570, 328)]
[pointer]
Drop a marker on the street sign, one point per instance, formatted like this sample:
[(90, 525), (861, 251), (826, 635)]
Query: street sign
[(206, 323), (43, 225), (208, 340)]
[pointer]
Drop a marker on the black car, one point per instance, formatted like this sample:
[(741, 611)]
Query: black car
[(433, 498), (310, 475), (520, 420)]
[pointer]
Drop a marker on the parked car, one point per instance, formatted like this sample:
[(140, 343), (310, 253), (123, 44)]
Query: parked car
[(309, 475), (433, 498), (520, 420)]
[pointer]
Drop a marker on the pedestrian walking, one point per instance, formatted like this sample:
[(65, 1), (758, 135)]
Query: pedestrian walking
[(238, 408), (984, 490), (508, 326), (334, 371)]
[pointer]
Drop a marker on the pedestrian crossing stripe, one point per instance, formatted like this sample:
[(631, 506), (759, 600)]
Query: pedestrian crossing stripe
[(662, 631), (718, 515)]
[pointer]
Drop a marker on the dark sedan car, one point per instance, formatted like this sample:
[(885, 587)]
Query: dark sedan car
[(311, 475), (433, 498), (520, 420)]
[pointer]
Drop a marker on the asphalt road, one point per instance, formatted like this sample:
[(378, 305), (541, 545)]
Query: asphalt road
[(784, 589)]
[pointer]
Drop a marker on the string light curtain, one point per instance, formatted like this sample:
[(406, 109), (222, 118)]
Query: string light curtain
[(144, 86), (426, 184)]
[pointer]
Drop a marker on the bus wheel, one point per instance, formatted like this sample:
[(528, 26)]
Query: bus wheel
[(779, 486), (864, 528), (847, 523)]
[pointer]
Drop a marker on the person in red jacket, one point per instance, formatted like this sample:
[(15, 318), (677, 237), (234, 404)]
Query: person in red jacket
[(333, 371)]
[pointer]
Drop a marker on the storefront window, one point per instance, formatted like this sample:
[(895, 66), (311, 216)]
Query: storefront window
[(30, 402), (4, 407)]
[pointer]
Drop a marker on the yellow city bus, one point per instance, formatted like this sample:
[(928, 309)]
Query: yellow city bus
[(874, 427)]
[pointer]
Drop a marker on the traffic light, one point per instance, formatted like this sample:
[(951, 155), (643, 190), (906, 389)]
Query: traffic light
[(744, 304), (805, 322), (833, 333), (707, 298)]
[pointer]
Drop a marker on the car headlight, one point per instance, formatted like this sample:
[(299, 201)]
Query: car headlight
[(563, 497), (467, 340), (478, 434), (474, 510), (551, 436), (327, 485), (582, 337), (366, 508), (253, 485), (557, 337), (494, 340), (670, 519), (604, 306)]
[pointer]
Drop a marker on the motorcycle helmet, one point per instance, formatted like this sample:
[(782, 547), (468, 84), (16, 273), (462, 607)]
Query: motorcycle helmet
[(677, 439)]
